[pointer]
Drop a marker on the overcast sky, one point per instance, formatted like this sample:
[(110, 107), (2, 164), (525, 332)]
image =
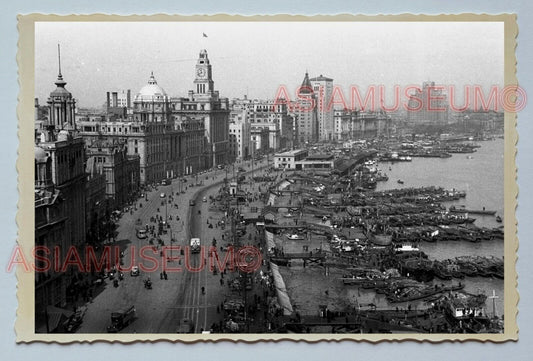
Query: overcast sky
[(255, 58)]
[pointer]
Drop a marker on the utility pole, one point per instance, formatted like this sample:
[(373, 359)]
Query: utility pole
[(226, 169), (494, 297), (253, 158)]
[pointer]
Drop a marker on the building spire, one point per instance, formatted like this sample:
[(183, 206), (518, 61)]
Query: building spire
[(60, 82), (306, 87), (59, 60)]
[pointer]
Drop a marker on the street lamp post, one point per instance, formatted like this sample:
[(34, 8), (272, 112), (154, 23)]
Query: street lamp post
[(226, 168), (164, 197), (253, 156), (171, 246)]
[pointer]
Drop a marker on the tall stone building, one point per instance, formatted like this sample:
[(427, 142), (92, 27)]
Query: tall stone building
[(204, 105), (343, 124), (143, 132), (271, 126), (120, 169), (428, 105), (119, 102), (166, 144), (60, 182), (119, 99), (323, 89), (153, 135), (306, 113), (172, 136), (239, 132), (97, 208), (353, 125)]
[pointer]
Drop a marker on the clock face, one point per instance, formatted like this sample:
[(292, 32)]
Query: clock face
[(200, 72)]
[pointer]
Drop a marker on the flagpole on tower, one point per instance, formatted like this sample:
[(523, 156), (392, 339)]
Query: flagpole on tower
[(204, 40)]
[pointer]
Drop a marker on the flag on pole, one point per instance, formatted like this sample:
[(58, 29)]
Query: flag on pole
[(205, 35)]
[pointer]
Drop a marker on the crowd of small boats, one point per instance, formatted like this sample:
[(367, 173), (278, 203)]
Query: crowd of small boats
[(415, 265), (437, 150), (467, 266), (390, 225), (402, 293)]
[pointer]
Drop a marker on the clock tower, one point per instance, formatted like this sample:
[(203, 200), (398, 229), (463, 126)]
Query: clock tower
[(207, 108), (203, 81)]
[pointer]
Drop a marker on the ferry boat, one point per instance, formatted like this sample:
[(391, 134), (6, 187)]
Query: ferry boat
[(453, 209), (406, 248)]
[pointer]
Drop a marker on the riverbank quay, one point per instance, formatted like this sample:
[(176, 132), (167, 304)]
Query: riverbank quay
[(327, 233)]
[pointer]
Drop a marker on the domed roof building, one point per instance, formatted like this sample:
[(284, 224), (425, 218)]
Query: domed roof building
[(151, 104), (151, 91)]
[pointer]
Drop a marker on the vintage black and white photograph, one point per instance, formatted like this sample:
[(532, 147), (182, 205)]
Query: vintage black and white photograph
[(281, 178)]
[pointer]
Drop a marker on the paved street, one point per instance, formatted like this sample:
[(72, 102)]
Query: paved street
[(159, 310)]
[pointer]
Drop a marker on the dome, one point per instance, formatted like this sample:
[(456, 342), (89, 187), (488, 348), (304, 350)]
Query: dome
[(151, 91), (60, 91), (40, 155)]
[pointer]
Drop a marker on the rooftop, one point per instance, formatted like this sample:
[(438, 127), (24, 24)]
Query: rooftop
[(321, 78), (290, 153), (320, 157)]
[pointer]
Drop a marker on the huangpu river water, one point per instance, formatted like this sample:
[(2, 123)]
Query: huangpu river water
[(480, 174)]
